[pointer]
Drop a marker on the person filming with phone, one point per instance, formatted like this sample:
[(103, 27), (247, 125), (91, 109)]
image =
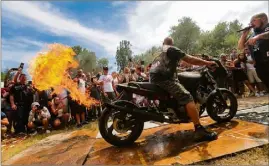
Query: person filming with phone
[(258, 45)]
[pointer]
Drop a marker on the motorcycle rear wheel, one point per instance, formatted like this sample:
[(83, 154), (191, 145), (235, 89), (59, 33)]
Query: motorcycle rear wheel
[(107, 134)]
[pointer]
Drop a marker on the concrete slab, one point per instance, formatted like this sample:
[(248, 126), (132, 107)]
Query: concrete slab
[(171, 144)]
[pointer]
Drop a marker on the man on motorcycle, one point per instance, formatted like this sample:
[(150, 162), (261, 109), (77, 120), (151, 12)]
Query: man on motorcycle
[(162, 73)]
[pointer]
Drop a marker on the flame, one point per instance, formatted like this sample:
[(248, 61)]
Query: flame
[(49, 69)]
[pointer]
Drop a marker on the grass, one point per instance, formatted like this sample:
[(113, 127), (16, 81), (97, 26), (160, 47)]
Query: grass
[(31, 140), (255, 156)]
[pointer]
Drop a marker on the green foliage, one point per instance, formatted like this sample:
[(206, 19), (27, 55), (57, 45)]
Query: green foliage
[(123, 54), (3, 76), (185, 34), (188, 37), (102, 62), (221, 39), (77, 49), (87, 59), (148, 56)]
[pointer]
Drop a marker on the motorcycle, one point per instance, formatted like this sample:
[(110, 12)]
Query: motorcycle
[(122, 121)]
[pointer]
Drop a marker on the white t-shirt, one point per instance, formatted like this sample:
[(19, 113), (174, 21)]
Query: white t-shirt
[(249, 65), (82, 85), (107, 79), (116, 81)]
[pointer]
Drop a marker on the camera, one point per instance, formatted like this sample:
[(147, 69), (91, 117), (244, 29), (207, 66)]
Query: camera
[(132, 71), (21, 65), (40, 107), (130, 60)]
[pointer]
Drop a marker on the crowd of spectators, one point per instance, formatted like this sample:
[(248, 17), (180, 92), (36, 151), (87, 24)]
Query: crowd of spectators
[(29, 111)]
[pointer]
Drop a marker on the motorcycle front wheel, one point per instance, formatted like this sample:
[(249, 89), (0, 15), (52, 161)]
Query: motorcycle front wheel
[(217, 110), (120, 128)]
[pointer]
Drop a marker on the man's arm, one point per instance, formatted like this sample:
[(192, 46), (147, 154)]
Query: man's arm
[(31, 116), (264, 35), (12, 103), (243, 40), (54, 110), (196, 61)]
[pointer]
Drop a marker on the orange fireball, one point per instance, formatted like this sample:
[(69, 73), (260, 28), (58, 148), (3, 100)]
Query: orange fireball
[(49, 69)]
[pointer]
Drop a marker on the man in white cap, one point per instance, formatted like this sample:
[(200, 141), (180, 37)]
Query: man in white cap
[(38, 116)]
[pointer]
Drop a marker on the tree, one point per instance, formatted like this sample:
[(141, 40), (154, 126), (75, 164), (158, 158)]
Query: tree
[(3, 75), (87, 60), (123, 54), (185, 34), (77, 49), (102, 62), (221, 39)]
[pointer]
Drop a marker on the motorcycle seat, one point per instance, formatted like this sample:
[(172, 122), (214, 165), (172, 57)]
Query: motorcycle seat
[(148, 86), (190, 75)]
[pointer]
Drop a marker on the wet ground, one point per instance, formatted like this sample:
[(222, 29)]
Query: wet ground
[(159, 144)]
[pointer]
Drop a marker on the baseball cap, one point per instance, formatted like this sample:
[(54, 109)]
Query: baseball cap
[(35, 104)]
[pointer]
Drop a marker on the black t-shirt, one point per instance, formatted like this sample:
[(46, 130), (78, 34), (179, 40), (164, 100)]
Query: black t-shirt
[(165, 65), (260, 51), (19, 91)]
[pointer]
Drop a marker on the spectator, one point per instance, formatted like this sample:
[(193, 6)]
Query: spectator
[(17, 100), (80, 110), (107, 86), (94, 93), (59, 114), (6, 108), (133, 76), (115, 78), (148, 69), (251, 72), (39, 116), (125, 77), (45, 96), (240, 73), (88, 79), (4, 124), (233, 54), (141, 76)]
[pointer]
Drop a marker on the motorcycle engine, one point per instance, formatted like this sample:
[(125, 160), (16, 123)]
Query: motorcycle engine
[(201, 96)]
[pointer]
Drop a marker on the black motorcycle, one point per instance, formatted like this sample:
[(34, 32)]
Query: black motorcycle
[(122, 121)]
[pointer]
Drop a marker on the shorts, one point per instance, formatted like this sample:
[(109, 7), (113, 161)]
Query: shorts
[(175, 89), (38, 123), (110, 97), (53, 118), (252, 76), (76, 108)]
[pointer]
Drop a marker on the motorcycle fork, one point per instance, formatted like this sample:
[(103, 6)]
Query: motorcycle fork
[(219, 94)]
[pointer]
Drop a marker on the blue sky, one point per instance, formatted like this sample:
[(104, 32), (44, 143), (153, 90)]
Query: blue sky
[(99, 26)]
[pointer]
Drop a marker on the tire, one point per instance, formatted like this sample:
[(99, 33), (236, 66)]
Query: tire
[(233, 107), (136, 132)]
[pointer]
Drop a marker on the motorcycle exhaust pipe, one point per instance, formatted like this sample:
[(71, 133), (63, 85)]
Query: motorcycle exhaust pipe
[(141, 114)]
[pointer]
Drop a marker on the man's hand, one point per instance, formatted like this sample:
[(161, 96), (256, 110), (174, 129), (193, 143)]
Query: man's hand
[(105, 94), (245, 33), (252, 41), (211, 63), (14, 107)]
